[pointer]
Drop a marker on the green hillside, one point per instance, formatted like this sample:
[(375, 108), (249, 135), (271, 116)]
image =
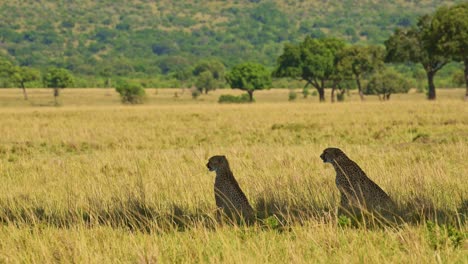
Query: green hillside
[(141, 38)]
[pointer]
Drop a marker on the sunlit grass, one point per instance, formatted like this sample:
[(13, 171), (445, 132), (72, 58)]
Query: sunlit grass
[(96, 181)]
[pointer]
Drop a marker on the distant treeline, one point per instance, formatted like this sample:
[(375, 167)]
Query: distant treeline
[(97, 40)]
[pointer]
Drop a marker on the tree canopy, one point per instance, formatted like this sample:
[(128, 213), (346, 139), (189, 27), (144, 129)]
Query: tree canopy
[(450, 27), (417, 45), (359, 62), (249, 77), (385, 83), (313, 60), (22, 75), (57, 78)]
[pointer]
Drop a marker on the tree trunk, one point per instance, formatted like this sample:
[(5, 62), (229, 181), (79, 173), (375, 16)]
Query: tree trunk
[(333, 94), (333, 91), (387, 97), (358, 83), (466, 78), (250, 95), (56, 94), (321, 93), (430, 80), (24, 91)]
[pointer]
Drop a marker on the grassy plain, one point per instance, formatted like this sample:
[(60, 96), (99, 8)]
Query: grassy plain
[(94, 181)]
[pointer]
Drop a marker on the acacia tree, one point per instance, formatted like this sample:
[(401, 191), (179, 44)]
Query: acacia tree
[(417, 45), (249, 77), (386, 83), (22, 75), (359, 62), (450, 27), (57, 79), (313, 61)]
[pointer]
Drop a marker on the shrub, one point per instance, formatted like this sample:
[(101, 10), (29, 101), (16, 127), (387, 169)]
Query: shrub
[(195, 93), (130, 92), (292, 95), (340, 97), (305, 92), (227, 98)]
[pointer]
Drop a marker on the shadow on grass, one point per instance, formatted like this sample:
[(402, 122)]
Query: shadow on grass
[(134, 214), (131, 214), (415, 211)]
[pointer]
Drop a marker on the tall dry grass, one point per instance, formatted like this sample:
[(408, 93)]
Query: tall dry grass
[(93, 181)]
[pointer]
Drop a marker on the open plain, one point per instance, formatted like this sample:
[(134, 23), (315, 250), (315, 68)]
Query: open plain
[(95, 181)]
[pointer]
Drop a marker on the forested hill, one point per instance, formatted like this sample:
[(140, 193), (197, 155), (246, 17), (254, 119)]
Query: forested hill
[(145, 37)]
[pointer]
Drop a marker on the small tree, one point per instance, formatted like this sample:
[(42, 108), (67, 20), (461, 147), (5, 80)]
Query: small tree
[(386, 83), (249, 77), (57, 79), (22, 75), (313, 60), (205, 81), (130, 92), (359, 62)]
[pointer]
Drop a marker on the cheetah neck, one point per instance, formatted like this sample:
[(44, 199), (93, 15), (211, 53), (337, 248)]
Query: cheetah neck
[(224, 173)]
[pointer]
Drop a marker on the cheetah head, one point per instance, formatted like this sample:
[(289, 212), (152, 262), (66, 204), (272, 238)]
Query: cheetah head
[(216, 162), (330, 154)]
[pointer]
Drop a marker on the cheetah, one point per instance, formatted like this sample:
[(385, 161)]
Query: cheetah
[(356, 189), (228, 195)]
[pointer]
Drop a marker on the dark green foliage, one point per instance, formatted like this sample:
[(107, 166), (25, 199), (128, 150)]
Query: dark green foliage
[(358, 62), (450, 26), (386, 83), (417, 45), (130, 92), (209, 75), (227, 98), (20, 76), (135, 38), (205, 82), (313, 60), (249, 77), (57, 78)]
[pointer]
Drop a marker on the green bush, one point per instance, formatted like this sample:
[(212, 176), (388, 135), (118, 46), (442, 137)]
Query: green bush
[(292, 95), (305, 92), (195, 93), (227, 98), (130, 92), (340, 97)]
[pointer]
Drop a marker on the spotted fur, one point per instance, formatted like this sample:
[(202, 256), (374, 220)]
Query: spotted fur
[(228, 195), (356, 189)]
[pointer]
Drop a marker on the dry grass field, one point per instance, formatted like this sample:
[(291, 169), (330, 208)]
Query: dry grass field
[(94, 181)]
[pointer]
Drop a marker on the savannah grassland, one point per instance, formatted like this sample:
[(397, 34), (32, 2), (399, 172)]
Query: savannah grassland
[(94, 181)]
